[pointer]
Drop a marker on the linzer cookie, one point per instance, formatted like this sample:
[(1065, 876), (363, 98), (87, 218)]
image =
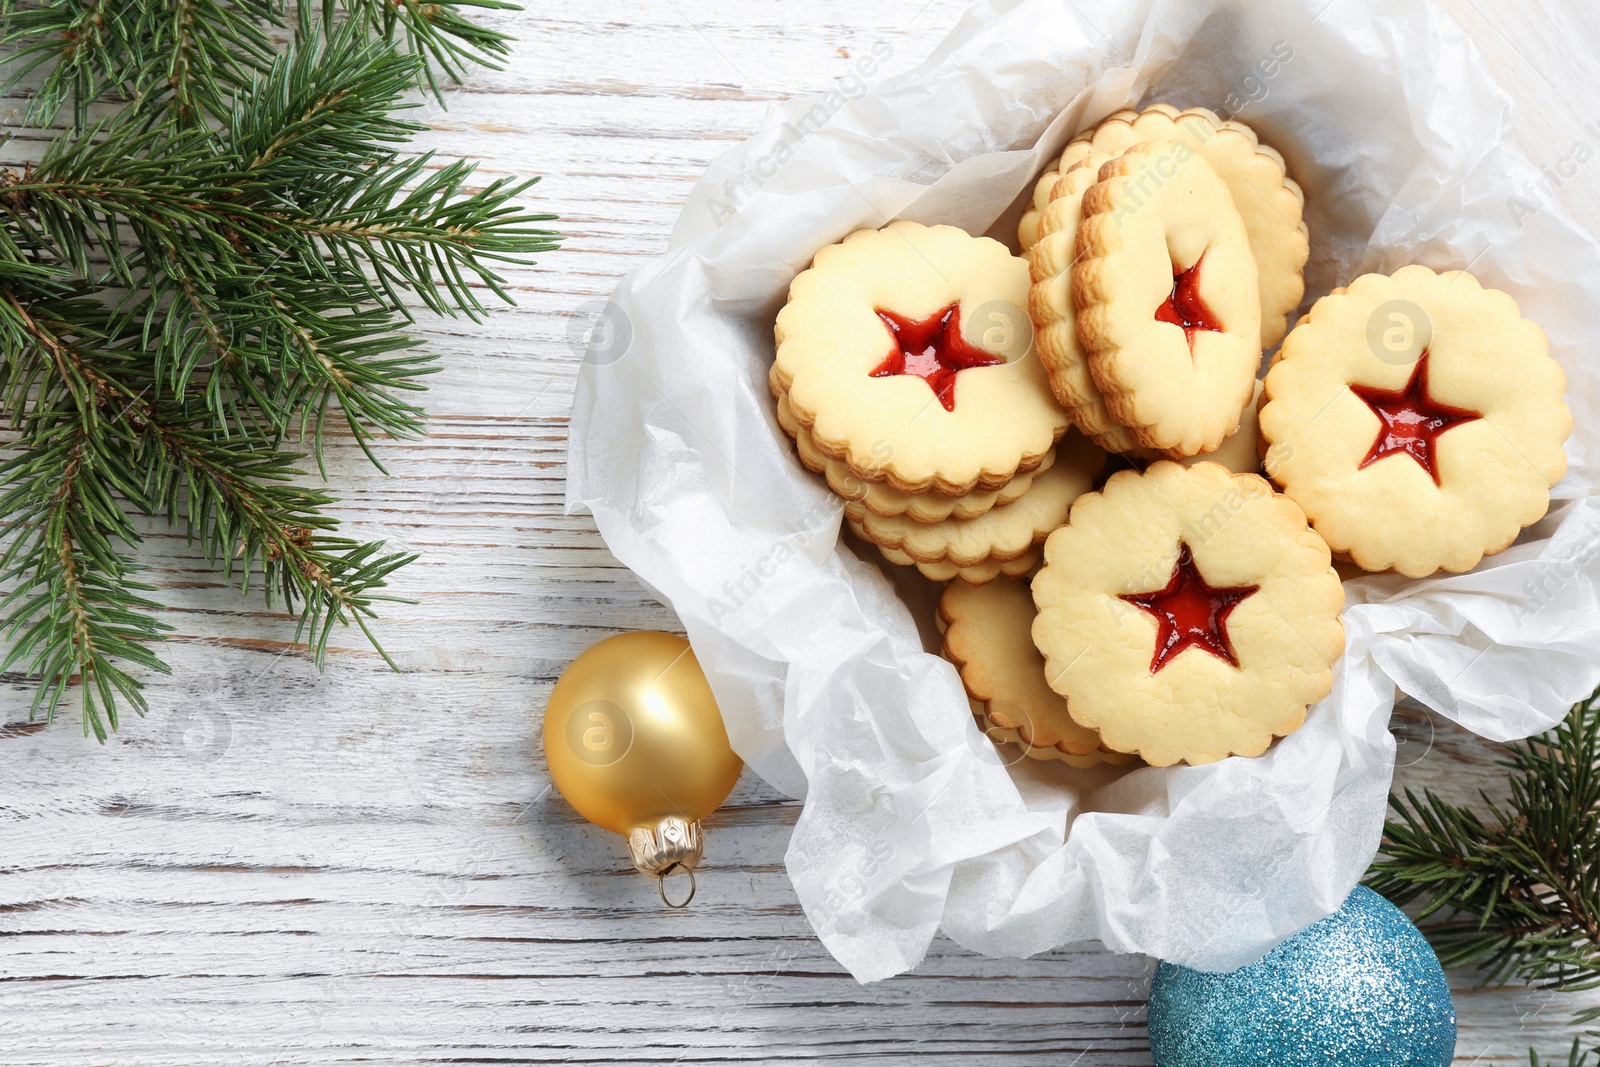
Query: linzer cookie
[(1241, 451), (1028, 226), (1418, 419), (1055, 318), (1188, 614), (1165, 287), (880, 498), (1000, 736), (986, 571), (1004, 533), (905, 354), (1269, 201), (987, 635)]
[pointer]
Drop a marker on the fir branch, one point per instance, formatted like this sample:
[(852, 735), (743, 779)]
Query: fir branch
[(325, 187), (197, 55), (356, 359), (225, 263), (77, 43), (241, 500), (440, 32), (74, 614), (183, 62), (1574, 1057), (1517, 889), (94, 439), (303, 206), (328, 104)]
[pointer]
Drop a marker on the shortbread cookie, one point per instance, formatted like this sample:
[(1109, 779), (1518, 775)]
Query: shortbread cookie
[(1418, 419), (987, 571), (1188, 613), (1241, 452), (1029, 225), (861, 496), (1055, 318), (906, 353), (988, 636), (1004, 533), (1165, 287), (1099, 756), (1269, 201)]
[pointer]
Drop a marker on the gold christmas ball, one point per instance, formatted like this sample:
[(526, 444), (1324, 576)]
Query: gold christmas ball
[(635, 743)]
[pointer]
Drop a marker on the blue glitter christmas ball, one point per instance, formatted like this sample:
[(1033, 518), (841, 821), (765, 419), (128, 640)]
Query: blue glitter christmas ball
[(1361, 988)]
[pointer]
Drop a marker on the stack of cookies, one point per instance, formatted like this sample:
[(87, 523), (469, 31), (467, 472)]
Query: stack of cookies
[(904, 374), (1184, 213), (963, 403)]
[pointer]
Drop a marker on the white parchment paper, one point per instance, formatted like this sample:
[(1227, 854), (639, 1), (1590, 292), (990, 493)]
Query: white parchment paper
[(912, 822)]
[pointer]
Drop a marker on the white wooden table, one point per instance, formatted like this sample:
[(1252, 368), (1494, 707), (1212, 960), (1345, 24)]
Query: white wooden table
[(282, 867)]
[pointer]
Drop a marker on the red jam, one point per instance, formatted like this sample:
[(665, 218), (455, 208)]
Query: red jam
[(1186, 307), (1409, 422), (1190, 613), (933, 350)]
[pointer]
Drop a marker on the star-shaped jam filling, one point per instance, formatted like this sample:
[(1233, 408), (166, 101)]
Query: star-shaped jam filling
[(1186, 307), (1189, 613), (1409, 422), (932, 349)]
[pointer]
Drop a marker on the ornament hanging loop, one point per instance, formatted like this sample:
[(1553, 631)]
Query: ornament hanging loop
[(673, 844), (661, 886)]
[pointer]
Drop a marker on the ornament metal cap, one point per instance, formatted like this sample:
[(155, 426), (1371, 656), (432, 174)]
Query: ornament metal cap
[(672, 845)]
